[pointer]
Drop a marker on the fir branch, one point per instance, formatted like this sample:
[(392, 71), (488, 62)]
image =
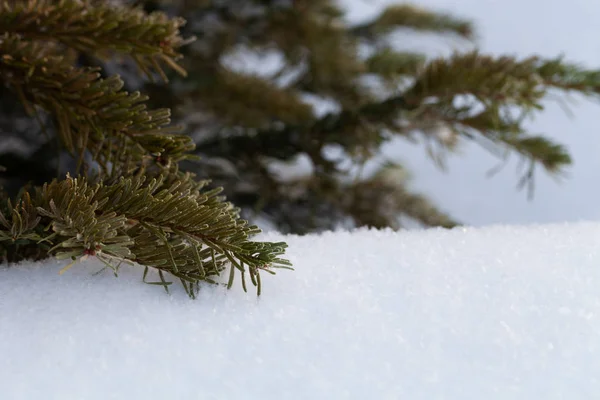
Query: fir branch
[(315, 42), (504, 80), (95, 27), (383, 200), (497, 93), (503, 91), (91, 113), (391, 64), (417, 18), (21, 222), (167, 223), (246, 100)]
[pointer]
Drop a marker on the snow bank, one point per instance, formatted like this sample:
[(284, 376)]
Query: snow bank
[(486, 313)]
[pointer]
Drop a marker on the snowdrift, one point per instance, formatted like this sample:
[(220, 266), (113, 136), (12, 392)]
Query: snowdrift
[(501, 312)]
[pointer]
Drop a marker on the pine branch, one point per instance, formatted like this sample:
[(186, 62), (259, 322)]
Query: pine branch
[(470, 95), (498, 93), (97, 27), (314, 41), (91, 113), (417, 18), (502, 80), (246, 100), (168, 224), (321, 201), (391, 65), (381, 200)]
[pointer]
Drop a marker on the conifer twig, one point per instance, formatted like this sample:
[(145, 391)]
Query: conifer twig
[(95, 27), (88, 107)]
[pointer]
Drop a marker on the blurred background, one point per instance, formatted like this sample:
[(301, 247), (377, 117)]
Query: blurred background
[(521, 28), (308, 117)]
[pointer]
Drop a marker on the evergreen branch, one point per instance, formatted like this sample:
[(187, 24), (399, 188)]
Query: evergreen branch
[(316, 43), (353, 129), (468, 94), (392, 65), (321, 201), (502, 92), (413, 17), (169, 223), (21, 222), (492, 126), (383, 199), (91, 113), (504, 80), (95, 27), (565, 76), (166, 223), (551, 155), (249, 101)]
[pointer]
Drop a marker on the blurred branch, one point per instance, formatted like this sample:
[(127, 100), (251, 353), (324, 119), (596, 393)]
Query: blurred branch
[(90, 112), (414, 17), (94, 27)]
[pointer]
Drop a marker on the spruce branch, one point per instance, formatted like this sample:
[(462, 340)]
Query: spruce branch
[(498, 93), (323, 200), (417, 18), (246, 100), (383, 200), (569, 77), (137, 207), (97, 27), (502, 80), (390, 93), (468, 95), (315, 42), (391, 65), (168, 224), (91, 113)]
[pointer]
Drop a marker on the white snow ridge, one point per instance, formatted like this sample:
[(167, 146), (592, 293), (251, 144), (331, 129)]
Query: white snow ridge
[(482, 313)]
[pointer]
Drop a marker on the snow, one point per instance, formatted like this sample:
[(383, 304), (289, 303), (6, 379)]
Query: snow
[(501, 312)]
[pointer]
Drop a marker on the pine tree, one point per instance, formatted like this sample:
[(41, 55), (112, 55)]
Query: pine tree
[(120, 195)]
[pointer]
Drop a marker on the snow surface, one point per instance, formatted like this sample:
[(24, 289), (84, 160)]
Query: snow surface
[(471, 313)]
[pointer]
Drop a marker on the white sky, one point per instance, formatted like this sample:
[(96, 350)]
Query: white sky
[(496, 313), (521, 27)]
